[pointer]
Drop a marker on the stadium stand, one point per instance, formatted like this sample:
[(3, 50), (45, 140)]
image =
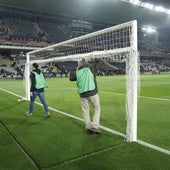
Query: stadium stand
[(29, 28)]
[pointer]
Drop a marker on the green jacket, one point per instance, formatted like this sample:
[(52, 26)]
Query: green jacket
[(40, 81), (85, 80)]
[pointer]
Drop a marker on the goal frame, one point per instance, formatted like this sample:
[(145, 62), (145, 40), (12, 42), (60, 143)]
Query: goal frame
[(132, 78)]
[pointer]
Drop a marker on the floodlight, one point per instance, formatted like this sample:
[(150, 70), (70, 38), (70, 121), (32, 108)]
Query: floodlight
[(149, 30), (160, 9), (135, 2), (148, 5)]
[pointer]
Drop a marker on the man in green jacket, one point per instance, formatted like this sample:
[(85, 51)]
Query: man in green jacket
[(38, 84), (85, 77)]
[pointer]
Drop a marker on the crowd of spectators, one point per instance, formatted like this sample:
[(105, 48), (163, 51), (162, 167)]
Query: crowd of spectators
[(13, 67), (28, 33), (150, 47), (21, 32)]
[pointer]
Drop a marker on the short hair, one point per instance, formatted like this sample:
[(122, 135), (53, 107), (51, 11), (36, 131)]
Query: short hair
[(35, 65), (82, 62)]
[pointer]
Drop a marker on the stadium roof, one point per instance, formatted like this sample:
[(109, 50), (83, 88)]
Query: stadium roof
[(109, 11)]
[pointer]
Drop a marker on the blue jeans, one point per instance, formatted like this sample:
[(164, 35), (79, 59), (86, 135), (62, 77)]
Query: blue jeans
[(42, 99)]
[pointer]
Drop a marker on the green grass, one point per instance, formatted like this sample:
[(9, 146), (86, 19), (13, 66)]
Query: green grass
[(60, 142)]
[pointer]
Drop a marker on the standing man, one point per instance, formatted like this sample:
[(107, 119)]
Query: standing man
[(37, 89), (85, 77)]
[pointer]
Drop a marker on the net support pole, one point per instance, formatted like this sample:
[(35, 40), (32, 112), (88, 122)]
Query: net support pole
[(27, 78), (132, 79), (131, 98)]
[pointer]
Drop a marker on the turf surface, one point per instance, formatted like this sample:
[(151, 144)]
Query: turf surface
[(61, 142)]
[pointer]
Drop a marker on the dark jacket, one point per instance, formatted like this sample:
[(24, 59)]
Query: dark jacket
[(33, 82), (94, 67)]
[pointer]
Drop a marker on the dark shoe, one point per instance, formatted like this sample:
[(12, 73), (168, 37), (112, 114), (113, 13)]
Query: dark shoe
[(89, 131), (97, 131)]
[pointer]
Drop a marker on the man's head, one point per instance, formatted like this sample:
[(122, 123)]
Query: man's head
[(35, 65), (81, 62)]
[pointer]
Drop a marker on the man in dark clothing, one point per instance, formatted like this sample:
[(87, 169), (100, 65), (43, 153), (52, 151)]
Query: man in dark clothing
[(37, 89), (85, 77)]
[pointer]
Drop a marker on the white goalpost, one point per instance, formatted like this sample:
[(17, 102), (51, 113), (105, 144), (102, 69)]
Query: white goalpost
[(118, 43)]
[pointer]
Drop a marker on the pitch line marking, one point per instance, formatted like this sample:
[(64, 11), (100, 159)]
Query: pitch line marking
[(102, 127), (154, 98), (146, 97)]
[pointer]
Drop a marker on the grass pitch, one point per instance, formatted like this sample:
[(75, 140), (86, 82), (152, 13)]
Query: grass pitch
[(60, 142)]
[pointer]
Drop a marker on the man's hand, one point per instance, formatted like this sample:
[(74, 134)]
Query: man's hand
[(92, 57)]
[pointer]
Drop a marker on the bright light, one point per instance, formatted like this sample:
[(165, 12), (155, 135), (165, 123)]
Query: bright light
[(168, 11), (160, 9), (135, 2), (149, 30), (148, 6)]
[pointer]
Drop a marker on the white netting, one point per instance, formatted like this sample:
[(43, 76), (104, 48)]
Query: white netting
[(117, 43), (116, 39)]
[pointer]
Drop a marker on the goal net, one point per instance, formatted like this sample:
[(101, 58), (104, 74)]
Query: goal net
[(117, 43)]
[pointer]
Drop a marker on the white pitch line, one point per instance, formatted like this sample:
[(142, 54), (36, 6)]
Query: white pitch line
[(80, 119), (153, 147), (102, 127), (63, 113), (154, 98), (11, 93), (120, 94)]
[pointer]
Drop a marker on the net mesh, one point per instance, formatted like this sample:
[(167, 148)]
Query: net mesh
[(114, 40)]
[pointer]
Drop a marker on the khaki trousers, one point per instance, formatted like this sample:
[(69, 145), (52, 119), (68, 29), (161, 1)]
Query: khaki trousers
[(85, 105)]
